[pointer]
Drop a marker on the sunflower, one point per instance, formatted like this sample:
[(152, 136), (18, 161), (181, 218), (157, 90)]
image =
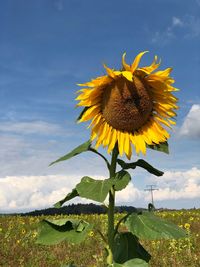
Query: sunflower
[(132, 106)]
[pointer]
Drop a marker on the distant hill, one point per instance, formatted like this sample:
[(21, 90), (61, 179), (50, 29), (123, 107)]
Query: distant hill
[(78, 209)]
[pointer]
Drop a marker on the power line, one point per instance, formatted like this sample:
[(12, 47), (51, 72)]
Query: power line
[(151, 189)]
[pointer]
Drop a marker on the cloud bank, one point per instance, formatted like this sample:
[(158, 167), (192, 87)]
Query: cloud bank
[(22, 193), (191, 124)]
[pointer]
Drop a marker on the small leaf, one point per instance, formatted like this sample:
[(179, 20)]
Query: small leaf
[(55, 231), (121, 180), (140, 163), (162, 147), (68, 197), (96, 190), (127, 247), (132, 263), (82, 148), (148, 226)]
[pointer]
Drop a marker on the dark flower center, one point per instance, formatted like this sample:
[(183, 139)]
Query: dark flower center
[(126, 105)]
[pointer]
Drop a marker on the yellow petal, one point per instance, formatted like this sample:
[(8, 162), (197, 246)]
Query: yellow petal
[(93, 135), (158, 84), (172, 122), (144, 135), (128, 75), (121, 142), (95, 120), (106, 139), (161, 130), (104, 132), (127, 146), (99, 81), (137, 61), (97, 128), (124, 64), (83, 94), (165, 72), (140, 144), (109, 71), (152, 67), (90, 113), (151, 132), (163, 121), (113, 140), (101, 130), (117, 72)]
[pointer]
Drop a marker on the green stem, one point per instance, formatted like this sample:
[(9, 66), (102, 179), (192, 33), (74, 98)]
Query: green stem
[(111, 208), (104, 158), (119, 222)]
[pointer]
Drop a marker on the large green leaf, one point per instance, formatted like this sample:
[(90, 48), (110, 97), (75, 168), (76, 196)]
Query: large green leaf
[(127, 247), (68, 197), (148, 226), (55, 231), (162, 147), (96, 190), (132, 263), (80, 149), (121, 180), (140, 163)]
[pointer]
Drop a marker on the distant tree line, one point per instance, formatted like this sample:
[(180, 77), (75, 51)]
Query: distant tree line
[(78, 209)]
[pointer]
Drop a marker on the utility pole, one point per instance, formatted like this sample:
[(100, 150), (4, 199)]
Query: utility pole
[(151, 189)]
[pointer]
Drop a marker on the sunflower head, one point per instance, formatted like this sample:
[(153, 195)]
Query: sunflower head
[(129, 107)]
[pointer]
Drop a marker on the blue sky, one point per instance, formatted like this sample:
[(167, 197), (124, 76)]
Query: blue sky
[(46, 48)]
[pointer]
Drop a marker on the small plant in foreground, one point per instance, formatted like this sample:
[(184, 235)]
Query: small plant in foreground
[(127, 107)]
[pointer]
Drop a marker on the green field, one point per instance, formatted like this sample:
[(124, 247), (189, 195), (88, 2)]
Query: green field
[(18, 248)]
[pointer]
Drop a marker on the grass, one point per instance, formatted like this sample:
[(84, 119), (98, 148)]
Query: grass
[(18, 248)]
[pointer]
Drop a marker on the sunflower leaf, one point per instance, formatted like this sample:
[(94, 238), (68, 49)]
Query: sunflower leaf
[(57, 230), (140, 163), (96, 190), (78, 150), (89, 188), (162, 147), (68, 197), (127, 247), (132, 263), (146, 225), (121, 180)]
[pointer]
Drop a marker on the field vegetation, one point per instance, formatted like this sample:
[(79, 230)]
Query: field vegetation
[(19, 233)]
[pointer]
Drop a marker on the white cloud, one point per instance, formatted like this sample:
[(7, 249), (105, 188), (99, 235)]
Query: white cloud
[(177, 185), (128, 195), (191, 124), (163, 37), (32, 127), (177, 21), (20, 193), (186, 27), (33, 192)]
